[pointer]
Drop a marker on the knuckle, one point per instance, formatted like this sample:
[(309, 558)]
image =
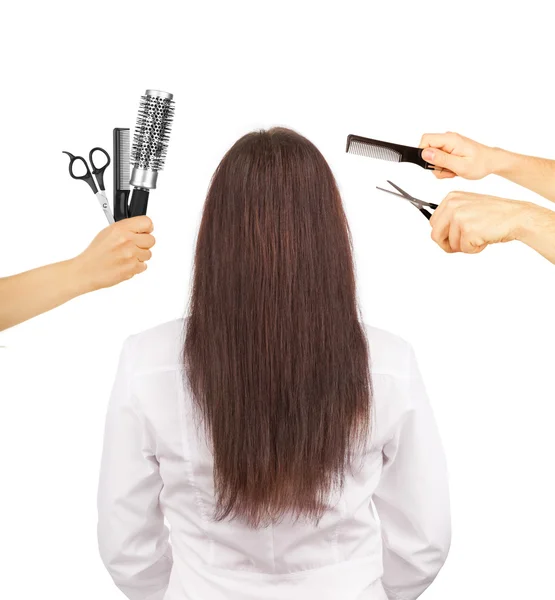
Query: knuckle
[(464, 228), (128, 251)]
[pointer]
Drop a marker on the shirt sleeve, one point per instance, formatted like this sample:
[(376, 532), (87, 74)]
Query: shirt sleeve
[(412, 498), (133, 539)]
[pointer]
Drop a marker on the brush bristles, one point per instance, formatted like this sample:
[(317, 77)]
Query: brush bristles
[(124, 170), (374, 151), (152, 133)]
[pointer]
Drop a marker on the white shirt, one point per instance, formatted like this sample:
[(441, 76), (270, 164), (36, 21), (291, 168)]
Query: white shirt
[(157, 468)]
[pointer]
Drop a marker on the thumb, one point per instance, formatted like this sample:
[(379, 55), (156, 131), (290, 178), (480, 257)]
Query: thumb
[(443, 159), (140, 224)]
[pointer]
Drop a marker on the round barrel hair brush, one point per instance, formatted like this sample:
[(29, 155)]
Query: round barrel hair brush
[(150, 145)]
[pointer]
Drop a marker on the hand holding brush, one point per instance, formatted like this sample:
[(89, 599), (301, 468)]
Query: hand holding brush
[(117, 253)]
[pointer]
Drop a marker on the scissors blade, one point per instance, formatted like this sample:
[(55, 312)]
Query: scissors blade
[(392, 193), (412, 198), (414, 202), (103, 200), (408, 196)]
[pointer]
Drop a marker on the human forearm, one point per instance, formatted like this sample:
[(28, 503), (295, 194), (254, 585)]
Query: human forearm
[(537, 230), (454, 154), (117, 253), (34, 292), (536, 174)]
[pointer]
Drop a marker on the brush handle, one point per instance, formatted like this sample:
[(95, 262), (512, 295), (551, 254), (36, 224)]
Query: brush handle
[(139, 202)]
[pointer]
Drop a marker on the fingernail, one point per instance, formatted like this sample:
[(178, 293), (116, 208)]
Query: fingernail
[(428, 154)]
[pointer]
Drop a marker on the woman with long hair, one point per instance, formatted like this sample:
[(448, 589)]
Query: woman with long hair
[(290, 449)]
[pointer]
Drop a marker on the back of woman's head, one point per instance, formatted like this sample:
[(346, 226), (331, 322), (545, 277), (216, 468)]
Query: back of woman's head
[(275, 353)]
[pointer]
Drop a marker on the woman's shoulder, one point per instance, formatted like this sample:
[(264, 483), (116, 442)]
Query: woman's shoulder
[(162, 346), (390, 354), (158, 347)]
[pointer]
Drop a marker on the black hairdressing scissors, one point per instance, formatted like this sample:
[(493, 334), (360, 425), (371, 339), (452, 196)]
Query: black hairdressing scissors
[(98, 173), (420, 204)]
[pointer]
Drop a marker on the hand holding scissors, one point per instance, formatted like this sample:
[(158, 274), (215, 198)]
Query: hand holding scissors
[(98, 173)]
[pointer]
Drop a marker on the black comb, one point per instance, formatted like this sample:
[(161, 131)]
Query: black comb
[(386, 151), (121, 172)]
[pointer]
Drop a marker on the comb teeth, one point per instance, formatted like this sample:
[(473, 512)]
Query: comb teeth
[(373, 151), (152, 132), (124, 172)]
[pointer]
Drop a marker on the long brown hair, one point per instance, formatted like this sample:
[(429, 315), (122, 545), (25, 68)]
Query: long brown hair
[(275, 353)]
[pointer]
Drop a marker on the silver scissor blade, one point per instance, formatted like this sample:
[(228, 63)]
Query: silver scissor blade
[(409, 197), (103, 201), (414, 202)]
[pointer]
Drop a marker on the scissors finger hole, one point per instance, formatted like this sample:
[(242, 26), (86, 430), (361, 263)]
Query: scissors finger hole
[(99, 158), (79, 167)]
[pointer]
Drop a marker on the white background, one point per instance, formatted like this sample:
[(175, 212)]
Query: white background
[(483, 326)]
